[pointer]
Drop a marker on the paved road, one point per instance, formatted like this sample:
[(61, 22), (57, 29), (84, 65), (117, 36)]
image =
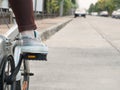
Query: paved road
[(84, 55)]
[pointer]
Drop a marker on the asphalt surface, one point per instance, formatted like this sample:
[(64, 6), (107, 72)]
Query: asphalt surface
[(84, 55)]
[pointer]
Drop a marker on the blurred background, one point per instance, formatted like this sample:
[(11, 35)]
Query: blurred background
[(58, 8)]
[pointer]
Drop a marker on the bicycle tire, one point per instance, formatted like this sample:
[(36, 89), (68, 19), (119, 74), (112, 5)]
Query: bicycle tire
[(23, 84), (8, 68)]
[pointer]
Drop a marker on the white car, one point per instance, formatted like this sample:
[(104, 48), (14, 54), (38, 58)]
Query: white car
[(104, 13), (116, 14), (94, 13), (80, 12)]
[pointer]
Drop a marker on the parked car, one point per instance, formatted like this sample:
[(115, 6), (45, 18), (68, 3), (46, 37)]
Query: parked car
[(104, 13), (80, 12), (94, 13), (116, 14)]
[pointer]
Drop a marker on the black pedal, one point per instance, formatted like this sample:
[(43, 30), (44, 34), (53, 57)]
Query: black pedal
[(28, 74), (35, 56)]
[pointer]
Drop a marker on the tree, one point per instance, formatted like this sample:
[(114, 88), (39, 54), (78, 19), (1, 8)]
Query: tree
[(73, 1), (117, 3), (103, 5), (67, 6), (74, 4), (109, 6), (54, 6), (91, 8)]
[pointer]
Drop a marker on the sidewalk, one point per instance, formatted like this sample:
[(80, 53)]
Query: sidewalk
[(43, 24)]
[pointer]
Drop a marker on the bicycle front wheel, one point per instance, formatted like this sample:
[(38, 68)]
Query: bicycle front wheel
[(7, 70)]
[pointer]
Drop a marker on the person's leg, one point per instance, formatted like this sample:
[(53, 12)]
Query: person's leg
[(23, 10)]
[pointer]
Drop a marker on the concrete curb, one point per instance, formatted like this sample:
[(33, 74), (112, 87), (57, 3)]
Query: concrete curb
[(47, 33)]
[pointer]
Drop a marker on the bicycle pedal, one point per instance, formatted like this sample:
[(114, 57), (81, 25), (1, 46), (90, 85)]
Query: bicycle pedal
[(29, 74), (35, 56)]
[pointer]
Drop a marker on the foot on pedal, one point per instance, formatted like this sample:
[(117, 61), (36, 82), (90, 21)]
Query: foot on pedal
[(35, 56), (34, 48)]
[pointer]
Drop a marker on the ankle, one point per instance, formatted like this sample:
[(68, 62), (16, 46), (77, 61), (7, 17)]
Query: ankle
[(29, 33)]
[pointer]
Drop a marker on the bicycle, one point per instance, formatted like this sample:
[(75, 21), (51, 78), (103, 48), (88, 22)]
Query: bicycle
[(14, 61)]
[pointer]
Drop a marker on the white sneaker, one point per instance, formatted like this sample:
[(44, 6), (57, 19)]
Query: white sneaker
[(33, 45)]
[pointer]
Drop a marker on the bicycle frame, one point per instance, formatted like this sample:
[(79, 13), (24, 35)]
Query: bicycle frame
[(9, 45), (5, 43)]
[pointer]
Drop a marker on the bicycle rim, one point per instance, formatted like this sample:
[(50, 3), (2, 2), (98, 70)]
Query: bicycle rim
[(7, 70)]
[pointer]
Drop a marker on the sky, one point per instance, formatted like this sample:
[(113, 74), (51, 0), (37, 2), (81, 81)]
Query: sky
[(85, 3)]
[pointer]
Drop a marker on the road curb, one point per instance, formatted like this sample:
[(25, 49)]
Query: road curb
[(47, 33)]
